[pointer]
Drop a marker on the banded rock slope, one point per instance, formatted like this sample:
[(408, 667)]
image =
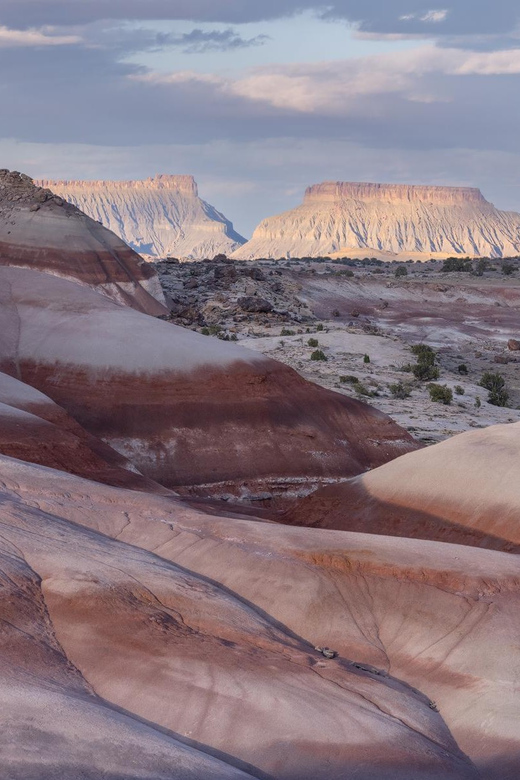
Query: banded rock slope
[(158, 217), (39, 230), (404, 220), (186, 410), (464, 490), (177, 668)]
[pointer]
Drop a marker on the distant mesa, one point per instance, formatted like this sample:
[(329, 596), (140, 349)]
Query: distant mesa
[(158, 217), (387, 220)]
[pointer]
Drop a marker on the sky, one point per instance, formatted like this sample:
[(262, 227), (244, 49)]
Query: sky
[(258, 100)]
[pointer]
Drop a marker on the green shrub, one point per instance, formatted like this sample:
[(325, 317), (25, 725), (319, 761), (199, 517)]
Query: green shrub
[(286, 332), (319, 326), (453, 264), (459, 390), (463, 369), (424, 354), (205, 331), (313, 342), (401, 271), (508, 269), (400, 390), (496, 385), (366, 359), (441, 394), (349, 379), (318, 354), (425, 373), (478, 402)]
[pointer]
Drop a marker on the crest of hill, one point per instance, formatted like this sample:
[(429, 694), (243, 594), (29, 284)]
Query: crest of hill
[(403, 221), (40, 231), (158, 217)]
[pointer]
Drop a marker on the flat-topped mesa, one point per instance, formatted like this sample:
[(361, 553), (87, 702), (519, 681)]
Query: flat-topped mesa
[(182, 184), (158, 217), (401, 221), (41, 231), (332, 191)]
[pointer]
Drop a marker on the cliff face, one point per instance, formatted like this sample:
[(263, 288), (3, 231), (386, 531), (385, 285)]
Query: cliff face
[(402, 220), (158, 217)]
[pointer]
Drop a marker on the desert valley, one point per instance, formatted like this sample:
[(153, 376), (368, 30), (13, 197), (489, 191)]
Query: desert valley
[(223, 557), (259, 390)]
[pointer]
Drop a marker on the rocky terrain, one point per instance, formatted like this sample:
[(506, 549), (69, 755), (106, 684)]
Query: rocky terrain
[(364, 309), (358, 618), (157, 217), (341, 218)]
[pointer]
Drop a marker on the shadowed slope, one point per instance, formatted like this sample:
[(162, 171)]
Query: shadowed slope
[(464, 490), (185, 409), (171, 647), (442, 617)]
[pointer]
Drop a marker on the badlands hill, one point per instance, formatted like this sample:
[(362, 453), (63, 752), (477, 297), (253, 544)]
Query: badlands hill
[(342, 218), (158, 217), (144, 639)]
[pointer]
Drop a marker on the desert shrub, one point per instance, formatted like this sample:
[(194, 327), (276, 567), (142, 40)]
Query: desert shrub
[(459, 390), (508, 269), (496, 385), (401, 271), (424, 354), (205, 331), (463, 369), (478, 402), (454, 264), (287, 332), (425, 372), (313, 342), (319, 327), (400, 390), (318, 354), (366, 359), (441, 394), (349, 379)]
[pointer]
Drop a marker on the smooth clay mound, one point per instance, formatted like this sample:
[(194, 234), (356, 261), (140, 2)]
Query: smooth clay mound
[(186, 410), (40, 230)]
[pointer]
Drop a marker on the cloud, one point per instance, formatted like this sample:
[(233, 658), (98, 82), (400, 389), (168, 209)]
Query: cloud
[(455, 17), (198, 41), (23, 38)]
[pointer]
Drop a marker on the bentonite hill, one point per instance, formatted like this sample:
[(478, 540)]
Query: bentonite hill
[(154, 624)]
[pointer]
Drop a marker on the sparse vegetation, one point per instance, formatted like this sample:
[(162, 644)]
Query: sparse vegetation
[(318, 354), (463, 369), (313, 343), (425, 370), (496, 386), (457, 264), (401, 271), (319, 327), (287, 332), (441, 394), (400, 390), (366, 359), (459, 390)]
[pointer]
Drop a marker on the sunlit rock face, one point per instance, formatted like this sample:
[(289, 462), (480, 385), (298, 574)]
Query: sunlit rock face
[(400, 220), (158, 217), (39, 230)]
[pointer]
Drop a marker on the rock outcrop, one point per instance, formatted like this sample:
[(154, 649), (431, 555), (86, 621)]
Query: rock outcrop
[(158, 217), (39, 230), (403, 220)]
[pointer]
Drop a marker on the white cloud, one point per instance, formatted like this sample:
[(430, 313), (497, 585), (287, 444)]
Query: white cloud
[(332, 88), (434, 17), (22, 38)]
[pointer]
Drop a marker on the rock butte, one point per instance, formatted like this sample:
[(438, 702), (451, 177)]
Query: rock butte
[(158, 217), (38, 230), (142, 639), (339, 218)]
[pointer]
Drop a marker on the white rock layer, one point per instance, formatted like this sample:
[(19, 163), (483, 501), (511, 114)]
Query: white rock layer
[(158, 217), (338, 217)]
